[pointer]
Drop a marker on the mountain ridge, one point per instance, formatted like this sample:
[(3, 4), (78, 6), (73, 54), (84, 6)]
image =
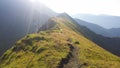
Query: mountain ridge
[(104, 42), (58, 45)]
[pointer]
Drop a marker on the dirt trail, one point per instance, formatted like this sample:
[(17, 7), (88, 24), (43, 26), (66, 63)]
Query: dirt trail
[(74, 60)]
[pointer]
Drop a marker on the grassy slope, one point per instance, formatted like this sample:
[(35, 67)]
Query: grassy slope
[(47, 48)]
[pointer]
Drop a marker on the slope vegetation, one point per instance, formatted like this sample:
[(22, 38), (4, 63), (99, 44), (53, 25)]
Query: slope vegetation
[(110, 44), (18, 18), (58, 45)]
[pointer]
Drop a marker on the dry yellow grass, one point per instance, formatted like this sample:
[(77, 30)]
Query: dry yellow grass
[(47, 48)]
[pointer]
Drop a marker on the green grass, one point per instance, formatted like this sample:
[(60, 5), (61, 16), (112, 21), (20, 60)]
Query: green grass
[(35, 50), (47, 48)]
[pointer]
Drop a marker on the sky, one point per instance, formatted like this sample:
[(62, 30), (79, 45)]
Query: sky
[(109, 7)]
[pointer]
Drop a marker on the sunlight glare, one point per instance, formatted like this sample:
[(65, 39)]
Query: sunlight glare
[(32, 1), (110, 7)]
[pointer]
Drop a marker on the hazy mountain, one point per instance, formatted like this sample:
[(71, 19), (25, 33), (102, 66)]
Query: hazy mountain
[(62, 43), (106, 21), (19, 17), (113, 32)]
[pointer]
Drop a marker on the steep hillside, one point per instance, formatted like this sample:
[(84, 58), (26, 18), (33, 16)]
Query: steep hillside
[(19, 17), (110, 44), (58, 44)]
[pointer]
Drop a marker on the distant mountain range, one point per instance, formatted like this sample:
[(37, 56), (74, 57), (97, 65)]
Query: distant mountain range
[(18, 18), (113, 32), (106, 21)]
